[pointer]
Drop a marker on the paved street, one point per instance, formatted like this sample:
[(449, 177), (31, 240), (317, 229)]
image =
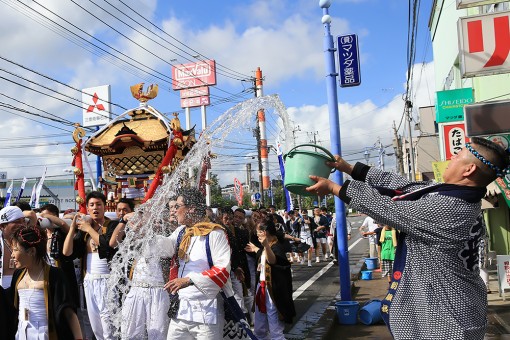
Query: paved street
[(316, 286)]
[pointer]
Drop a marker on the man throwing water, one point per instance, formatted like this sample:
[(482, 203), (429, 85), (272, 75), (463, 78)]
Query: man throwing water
[(436, 290)]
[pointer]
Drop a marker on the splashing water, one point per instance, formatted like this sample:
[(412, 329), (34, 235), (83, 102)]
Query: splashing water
[(152, 217)]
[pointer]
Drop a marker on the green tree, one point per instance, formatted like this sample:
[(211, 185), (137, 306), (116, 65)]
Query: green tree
[(217, 199)]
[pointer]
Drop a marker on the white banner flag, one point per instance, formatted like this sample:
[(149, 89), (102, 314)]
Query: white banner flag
[(7, 201), (23, 183), (32, 196), (39, 189)]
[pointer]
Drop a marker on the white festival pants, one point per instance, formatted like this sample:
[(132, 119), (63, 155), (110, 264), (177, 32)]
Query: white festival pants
[(237, 286), (144, 312), (95, 290), (268, 326), (189, 330)]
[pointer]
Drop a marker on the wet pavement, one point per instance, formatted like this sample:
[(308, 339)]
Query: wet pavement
[(328, 327)]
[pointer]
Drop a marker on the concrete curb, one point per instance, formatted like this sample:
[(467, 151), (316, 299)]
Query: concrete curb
[(329, 319)]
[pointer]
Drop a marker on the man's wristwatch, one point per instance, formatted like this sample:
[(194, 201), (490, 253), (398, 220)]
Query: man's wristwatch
[(122, 220), (190, 282)]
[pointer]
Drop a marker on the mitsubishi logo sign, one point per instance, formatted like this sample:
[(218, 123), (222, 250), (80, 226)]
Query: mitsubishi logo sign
[(99, 107), (484, 42), (96, 105)]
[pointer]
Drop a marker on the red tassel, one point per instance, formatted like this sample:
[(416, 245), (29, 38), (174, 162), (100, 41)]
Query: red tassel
[(260, 297)]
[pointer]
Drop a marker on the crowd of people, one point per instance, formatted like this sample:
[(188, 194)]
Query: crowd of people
[(227, 273), (214, 274)]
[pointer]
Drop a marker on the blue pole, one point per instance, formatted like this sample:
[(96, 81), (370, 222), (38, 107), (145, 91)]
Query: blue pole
[(99, 171), (285, 191), (336, 149)]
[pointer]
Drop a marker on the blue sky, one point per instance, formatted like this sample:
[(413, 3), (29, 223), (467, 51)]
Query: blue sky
[(283, 38)]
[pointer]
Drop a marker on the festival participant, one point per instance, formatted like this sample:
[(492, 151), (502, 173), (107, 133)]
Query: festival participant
[(306, 237), (436, 281), (249, 264), (368, 229), (292, 228), (321, 231), (40, 292), (332, 231), (388, 241), (144, 310), (272, 210), (56, 232), (88, 239), (238, 239), (11, 219), (199, 313), (124, 206), (28, 212), (273, 301)]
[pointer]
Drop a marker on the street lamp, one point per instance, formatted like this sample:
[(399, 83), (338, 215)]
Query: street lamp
[(334, 133)]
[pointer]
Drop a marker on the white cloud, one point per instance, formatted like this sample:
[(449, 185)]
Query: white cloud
[(285, 42)]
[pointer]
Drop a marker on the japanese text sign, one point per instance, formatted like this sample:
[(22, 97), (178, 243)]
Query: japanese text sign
[(238, 191), (450, 104), (484, 44), (348, 60), (454, 136), (195, 101), (439, 168), (194, 92), (503, 263), (96, 105)]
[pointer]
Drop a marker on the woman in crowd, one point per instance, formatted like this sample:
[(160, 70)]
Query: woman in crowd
[(39, 292), (273, 300)]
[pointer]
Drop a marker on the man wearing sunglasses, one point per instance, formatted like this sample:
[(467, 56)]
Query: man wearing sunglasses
[(196, 284)]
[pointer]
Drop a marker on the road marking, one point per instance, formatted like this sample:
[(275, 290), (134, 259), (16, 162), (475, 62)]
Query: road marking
[(317, 275), (310, 281), (355, 243)]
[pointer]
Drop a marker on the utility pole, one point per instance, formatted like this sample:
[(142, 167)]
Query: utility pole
[(257, 134), (409, 107), (314, 135), (397, 145), (261, 138), (381, 154)]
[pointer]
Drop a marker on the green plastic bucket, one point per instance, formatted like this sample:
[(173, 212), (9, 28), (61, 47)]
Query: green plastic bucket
[(299, 164)]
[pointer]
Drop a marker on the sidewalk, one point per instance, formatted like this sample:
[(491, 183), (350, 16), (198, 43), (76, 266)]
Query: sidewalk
[(364, 290)]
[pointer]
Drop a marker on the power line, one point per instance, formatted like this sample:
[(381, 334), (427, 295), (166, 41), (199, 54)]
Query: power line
[(156, 74), (82, 42), (57, 81), (163, 31), (15, 114), (34, 137), (146, 36)]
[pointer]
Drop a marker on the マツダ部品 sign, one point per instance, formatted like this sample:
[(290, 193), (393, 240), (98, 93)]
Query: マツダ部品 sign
[(348, 60)]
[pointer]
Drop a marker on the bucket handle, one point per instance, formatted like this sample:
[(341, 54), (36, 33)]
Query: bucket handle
[(326, 151)]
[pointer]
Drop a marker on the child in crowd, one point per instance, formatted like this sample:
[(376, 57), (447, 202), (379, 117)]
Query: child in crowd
[(388, 244)]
